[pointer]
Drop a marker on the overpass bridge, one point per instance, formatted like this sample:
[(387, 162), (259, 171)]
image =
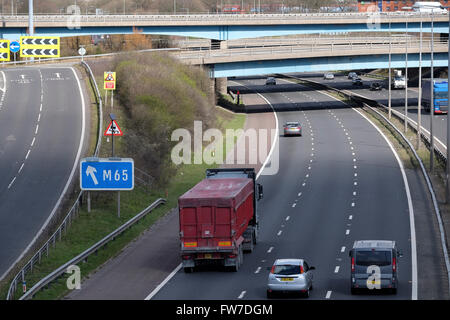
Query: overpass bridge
[(221, 27), (315, 56)]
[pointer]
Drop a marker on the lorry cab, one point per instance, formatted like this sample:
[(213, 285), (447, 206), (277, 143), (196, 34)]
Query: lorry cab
[(374, 265)]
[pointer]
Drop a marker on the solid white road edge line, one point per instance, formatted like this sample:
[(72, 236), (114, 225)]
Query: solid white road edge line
[(75, 166), (4, 82), (272, 148), (410, 205), (411, 211)]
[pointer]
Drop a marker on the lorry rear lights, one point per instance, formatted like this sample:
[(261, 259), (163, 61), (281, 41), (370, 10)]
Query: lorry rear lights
[(190, 244), (186, 257), (224, 243), (232, 256)]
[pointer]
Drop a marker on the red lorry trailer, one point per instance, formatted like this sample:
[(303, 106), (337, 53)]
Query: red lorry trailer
[(218, 219)]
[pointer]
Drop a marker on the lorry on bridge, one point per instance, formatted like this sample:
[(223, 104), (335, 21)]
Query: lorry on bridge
[(440, 95), (219, 218)]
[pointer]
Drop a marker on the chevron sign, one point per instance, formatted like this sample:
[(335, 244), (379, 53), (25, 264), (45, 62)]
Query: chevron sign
[(40, 41), (39, 47), (39, 53), (4, 50)]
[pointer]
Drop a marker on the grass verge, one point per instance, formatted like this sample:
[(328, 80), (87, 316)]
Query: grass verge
[(89, 228)]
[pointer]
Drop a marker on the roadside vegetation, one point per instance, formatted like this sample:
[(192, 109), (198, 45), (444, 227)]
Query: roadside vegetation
[(155, 95)]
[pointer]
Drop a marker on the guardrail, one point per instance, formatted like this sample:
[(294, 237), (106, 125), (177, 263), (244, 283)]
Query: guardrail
[(71, 215), (314, 47), (220, 16), (370, 104), (94, 249)]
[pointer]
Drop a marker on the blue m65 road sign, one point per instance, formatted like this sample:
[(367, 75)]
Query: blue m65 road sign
[(107, 174)]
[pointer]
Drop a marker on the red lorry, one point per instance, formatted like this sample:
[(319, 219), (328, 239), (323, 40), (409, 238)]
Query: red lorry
[(219, 218)]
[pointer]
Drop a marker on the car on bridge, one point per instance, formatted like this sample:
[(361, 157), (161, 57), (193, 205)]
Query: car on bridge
[(375, 86), (374, 265), (352, 75), (292, 128), (290, 276), (357, 82), (271, 81), (328, 76)]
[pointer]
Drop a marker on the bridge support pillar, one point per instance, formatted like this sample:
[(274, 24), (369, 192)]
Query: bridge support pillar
[(221, 85)]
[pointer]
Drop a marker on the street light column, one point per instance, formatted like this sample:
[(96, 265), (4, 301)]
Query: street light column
[(390, 77), (432, 96), (406, 79), (419, 101)]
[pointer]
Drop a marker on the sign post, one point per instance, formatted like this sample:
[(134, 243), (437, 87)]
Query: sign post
[(109, 84), (113, 174)]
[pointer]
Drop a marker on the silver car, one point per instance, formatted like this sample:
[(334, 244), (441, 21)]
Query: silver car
[(271, 81), (290, 275), (292, 128), (328, 76)]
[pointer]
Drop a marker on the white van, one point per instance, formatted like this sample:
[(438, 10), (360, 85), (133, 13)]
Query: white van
[(428, 7)]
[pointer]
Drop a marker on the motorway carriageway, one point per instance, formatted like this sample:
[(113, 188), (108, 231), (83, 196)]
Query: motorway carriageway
[(41, 135), (398, 99), (338, 183)]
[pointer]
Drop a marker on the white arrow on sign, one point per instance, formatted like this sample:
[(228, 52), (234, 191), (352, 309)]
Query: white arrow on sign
[(91, 171)]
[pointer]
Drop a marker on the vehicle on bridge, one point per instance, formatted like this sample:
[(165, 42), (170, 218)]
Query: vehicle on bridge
[(288, 276), (428, 7), (352, 75), (375, 86), (374, 265), (328, 76), (271, 81), (357, 81), (219, 218), (440, 95)]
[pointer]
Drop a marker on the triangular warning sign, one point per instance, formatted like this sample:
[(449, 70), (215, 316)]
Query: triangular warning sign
[(117, 130)]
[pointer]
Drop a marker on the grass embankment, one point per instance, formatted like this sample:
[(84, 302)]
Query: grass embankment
[(140, 132)]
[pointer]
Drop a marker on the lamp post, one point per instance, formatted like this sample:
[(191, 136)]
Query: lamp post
[(406, 72), (419, 101), (390, 76), (431, 95), (447, 198)]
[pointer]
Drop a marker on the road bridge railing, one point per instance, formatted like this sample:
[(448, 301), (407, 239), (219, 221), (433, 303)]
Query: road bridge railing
[(216, 18)]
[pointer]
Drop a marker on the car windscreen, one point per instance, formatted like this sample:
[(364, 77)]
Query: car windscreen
[(373, 257), (287, 269)]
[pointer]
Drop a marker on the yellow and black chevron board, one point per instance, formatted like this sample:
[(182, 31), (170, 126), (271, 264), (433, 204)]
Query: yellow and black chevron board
[(4, 50), (39, 47)]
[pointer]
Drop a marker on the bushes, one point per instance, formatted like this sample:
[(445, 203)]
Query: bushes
[(159, 95)]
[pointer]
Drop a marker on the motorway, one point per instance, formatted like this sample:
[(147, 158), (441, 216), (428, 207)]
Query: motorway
[(326, 195), (41, 137), (398, 99), (338, 183)]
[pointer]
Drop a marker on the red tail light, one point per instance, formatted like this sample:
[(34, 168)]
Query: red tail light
[(353, 264), (394, 265), (301, 269), (272, 270)]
